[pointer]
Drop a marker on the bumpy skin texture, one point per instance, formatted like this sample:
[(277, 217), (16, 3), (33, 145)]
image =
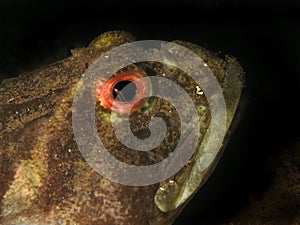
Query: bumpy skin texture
[(43, 177)]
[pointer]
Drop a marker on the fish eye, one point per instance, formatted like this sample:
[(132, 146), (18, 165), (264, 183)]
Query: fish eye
[(122, 94), (123, 90)]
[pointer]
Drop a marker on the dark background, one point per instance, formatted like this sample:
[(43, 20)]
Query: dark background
[(263, 35)]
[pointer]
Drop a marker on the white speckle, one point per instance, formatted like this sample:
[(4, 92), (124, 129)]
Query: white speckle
[(106, 56), (162, 189), (10, 100), (163, 74), (172, 182), (199, 90), (205, 64), (17, 112), (69, 150)]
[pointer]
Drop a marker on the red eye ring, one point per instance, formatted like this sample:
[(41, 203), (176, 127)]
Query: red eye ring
[(105, 92)]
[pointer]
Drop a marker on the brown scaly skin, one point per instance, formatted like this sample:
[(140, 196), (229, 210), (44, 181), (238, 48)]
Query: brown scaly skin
[(44, 178)]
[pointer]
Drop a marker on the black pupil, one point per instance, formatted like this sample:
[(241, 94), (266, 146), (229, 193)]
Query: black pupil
[(123, 94)]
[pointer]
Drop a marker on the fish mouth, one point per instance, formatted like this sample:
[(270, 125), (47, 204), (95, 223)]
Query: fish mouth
[(202, 164)]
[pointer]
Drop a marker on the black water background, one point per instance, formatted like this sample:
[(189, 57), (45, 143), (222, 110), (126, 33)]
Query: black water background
[(263, 35)]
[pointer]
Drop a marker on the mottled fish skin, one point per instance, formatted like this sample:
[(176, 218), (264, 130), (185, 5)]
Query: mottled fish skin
[(43, 177)]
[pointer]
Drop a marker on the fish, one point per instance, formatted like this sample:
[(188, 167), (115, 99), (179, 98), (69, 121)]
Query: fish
[(52, 172)]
